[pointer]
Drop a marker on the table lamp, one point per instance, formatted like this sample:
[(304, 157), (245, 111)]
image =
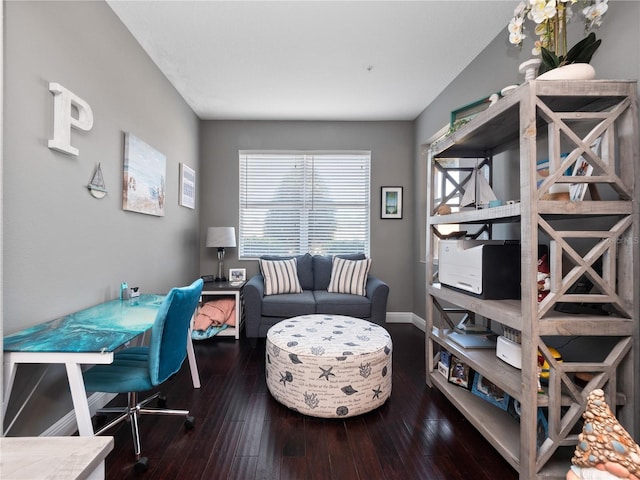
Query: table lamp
[(221, 237)]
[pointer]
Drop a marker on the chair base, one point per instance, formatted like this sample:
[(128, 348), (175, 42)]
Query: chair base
[(132, 412)]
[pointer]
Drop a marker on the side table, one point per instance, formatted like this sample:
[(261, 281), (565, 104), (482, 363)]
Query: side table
[(226, 289)]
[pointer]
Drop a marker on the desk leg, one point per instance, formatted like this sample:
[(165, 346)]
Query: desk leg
[(80, 401), (193, 366), (9, 374)]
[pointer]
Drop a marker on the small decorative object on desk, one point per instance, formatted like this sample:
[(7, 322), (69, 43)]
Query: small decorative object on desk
[(605, 449), (237, 276), (550, 18)]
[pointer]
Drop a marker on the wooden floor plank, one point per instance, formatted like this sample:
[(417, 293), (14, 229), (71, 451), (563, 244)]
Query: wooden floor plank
[(242, 433)]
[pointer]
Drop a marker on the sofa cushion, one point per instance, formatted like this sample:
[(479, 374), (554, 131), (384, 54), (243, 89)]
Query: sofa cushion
[(322, 266), (289, 304), (349, 276), (280, 276), (304, 264), (342, 304)]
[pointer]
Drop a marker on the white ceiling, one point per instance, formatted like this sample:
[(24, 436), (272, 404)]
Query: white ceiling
[(312, 60)]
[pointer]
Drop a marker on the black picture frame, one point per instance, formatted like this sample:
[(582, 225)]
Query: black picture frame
[(391, 202)]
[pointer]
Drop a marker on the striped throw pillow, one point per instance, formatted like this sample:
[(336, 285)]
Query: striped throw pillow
[(349, 276), (280, 276)]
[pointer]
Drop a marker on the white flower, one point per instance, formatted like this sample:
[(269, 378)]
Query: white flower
[(515, 25), (594, 13), (544, 13), (516, 38), (543, 10), (520, 10)]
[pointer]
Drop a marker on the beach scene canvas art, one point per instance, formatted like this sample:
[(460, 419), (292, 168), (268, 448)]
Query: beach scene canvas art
[(143, 189)]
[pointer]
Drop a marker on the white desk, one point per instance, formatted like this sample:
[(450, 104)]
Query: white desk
[(54, 458), (87, 337)]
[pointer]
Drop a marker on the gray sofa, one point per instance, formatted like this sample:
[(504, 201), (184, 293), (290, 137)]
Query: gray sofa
[(314, 273)]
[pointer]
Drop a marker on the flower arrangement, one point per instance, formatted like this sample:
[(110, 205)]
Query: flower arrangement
[(550, 18)]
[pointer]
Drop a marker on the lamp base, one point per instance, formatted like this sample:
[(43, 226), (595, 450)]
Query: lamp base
[(220, 277)]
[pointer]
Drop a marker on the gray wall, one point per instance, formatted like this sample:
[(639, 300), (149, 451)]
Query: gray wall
[(496, 67), (63, 249), (391, 145)]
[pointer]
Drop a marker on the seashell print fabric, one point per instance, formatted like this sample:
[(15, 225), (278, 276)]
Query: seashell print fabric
[(329, 366)]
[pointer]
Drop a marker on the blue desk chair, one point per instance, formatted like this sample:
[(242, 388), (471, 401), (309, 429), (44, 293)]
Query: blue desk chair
[(139, 369)]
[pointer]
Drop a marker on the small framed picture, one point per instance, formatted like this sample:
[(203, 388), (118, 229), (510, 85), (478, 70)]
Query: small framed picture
[(391, 202), (542, 428), (459, 373), (237, 275), (582, 168), (462, 115), (187, 186), (488, 391)]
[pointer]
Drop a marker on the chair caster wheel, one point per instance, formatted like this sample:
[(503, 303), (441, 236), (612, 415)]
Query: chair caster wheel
[(141, 465), (162, 401), (189, 423)]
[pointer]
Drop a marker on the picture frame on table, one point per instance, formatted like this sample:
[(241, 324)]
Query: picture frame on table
[(391, 206), (486, 390), (237, 275)]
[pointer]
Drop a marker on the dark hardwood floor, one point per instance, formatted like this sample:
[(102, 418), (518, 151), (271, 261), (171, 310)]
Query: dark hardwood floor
[(242, 433)]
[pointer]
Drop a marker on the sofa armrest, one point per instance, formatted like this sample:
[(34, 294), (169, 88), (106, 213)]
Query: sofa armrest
[(253, 291), (378, 293)]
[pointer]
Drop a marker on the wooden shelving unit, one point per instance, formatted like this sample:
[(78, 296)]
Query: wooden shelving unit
[(596, 238)]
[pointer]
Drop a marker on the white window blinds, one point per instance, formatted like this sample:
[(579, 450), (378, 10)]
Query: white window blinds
[(298, 202)]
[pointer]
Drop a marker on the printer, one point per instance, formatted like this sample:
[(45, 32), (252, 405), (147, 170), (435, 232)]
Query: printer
[(487, 269)]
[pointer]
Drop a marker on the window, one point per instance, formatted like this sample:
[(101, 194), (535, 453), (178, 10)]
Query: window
[(297, 202)]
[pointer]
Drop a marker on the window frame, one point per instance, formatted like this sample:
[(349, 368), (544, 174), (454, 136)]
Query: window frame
[(311, 160)]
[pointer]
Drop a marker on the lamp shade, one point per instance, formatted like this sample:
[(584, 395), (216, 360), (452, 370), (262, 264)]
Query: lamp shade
[(221, 237)]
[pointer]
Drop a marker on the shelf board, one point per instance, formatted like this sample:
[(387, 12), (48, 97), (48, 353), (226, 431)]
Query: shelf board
[(547, 208), (497, 426), (485, 362), (506, 312), (495, 129), (556, 323)]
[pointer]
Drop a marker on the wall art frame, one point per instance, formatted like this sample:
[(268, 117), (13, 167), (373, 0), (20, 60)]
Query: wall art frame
[(391, 206), (187, 186), (145, 170)]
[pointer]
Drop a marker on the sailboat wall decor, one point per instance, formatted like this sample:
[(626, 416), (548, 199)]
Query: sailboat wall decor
[(96, 186), (478, 192)]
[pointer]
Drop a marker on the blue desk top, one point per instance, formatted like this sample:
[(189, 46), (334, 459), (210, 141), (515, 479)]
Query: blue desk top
[(101, 328)]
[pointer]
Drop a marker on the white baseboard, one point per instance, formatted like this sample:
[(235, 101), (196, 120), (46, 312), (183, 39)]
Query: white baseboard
[(407, 317), (67, 425)]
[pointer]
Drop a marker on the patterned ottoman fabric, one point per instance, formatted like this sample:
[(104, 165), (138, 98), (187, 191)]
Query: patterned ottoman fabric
[(329, 366)]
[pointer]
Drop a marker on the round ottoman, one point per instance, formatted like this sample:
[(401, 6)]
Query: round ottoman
[(329, 365)]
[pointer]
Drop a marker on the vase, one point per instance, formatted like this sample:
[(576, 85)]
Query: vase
[(573, 71)]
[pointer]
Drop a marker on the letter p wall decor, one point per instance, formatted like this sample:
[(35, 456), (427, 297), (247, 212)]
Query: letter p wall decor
[(63, 120)]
